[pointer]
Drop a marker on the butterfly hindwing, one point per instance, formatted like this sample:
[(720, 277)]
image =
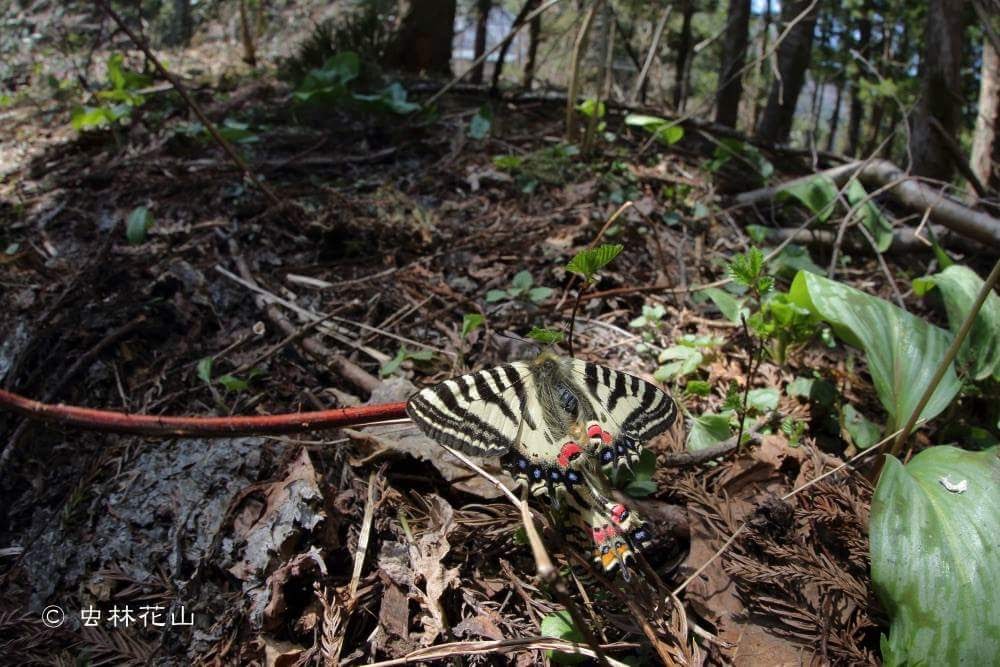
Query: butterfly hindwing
[(630, 411), (481, 413)]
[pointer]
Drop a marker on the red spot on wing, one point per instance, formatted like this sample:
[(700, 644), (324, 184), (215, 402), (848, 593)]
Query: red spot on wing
[(594, 430), (569, 451), (617, 512)]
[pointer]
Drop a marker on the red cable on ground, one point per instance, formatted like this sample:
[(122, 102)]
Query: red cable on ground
[(206, 427)]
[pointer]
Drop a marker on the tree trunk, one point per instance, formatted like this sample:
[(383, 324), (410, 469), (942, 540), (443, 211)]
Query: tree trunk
[(534, 35), (793, 59), (527, 8), (857, 110), (177, 22), (940, 95), (759, 76), (422, 42), (985, 160), (683, 55), (831, 141), (734, 54), (482, 18)]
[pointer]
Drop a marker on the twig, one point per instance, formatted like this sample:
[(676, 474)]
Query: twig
[(574, 81), (683, 459), (109, 421), (182, 91), (664, 17)]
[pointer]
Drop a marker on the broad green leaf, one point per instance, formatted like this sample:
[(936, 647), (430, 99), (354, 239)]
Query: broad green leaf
[(792, 259), (545, 336), (205, 369), (642, 484), (935, 558), (588, 262), (707, 430), (730, 307), (902, 350), (665, 131), (560, 625), (480, 124), (871, 215), (959, 286), (138, 223), (471, 322), (864, 433), (818, 194)]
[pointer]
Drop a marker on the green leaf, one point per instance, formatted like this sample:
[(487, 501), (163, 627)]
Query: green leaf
[(495, 295), (871, 216), (522, 281), (539, 294), (232, 383), (508, 162), (707, 430), (959, 286), (87, 118), (764, 399), (205, 369), (748, 270), (902, 350), (864, 433), (934, 526), (480, 124), (818, 194), (560, 625), (391, 366), (682, 360), (665, 132), (545, 336), (138, 223), (471, 322), (590, 106), (697, 388), (588, 262), (730, 307), (642, 484)]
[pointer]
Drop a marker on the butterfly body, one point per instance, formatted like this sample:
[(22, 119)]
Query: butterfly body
[(558, 425)]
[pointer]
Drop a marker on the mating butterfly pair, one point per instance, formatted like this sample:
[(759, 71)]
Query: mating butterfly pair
[(559, 425)]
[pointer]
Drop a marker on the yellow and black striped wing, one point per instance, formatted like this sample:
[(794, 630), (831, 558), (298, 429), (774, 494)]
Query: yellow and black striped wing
[(481, 414)]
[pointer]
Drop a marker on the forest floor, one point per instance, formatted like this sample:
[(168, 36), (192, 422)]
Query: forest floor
[(398, 226)]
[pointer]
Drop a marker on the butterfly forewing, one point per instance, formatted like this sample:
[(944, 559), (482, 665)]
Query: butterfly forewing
[(480, 413)]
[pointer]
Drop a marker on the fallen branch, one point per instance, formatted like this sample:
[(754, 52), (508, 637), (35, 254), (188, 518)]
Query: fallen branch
[(905, 241), (906, 190), (202, 427)]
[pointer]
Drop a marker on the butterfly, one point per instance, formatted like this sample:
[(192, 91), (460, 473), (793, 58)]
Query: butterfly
[(559, 425)]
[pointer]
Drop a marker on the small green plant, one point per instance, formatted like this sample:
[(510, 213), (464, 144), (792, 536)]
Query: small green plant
[(366, 31), (471, 322), (118, 100), (552, 166), (228, 381), (479, 126), (404, 354), (730, 149), (137, 225), (333, 85), (664, 131), (748, 270), (686, 357), (648, 324), (559, 624), (522, 288)]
